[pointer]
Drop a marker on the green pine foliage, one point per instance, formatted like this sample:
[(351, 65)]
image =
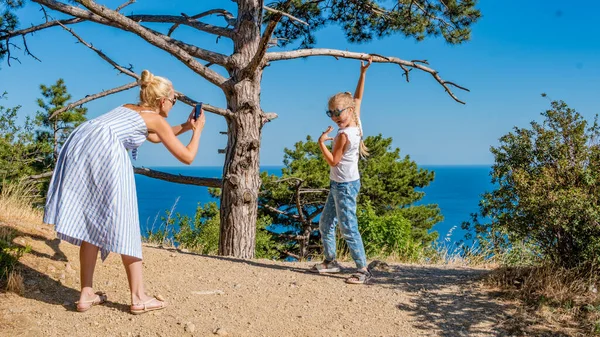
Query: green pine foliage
[(363, 20), (55, 131)]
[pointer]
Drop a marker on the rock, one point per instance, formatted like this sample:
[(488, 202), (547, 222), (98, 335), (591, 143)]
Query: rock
[(380, 266), (173, 255), (189, 327), (51, 268), (66, 303), (220, 332), (69, 269)]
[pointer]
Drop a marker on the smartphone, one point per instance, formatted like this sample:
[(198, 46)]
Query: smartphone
[(197, 110)]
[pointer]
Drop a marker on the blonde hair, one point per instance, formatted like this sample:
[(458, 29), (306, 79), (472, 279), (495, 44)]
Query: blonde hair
[(347, 100), (153, 88)]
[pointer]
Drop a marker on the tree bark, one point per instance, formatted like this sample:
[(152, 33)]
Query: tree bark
[(241, 180)]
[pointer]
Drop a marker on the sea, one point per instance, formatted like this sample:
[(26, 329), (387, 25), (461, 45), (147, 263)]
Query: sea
[(457, 190)]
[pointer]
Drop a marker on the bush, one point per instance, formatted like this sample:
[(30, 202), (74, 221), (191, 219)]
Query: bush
[(547, 196), (388, 234), (201, 234)]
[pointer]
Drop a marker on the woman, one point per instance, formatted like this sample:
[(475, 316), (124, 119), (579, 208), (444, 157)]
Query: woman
[(92, 197)]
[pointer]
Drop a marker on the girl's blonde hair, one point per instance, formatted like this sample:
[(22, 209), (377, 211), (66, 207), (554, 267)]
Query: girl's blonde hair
[(347, 100), (153, 88)]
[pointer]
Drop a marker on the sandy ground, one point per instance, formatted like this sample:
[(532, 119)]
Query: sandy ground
[(211, 295)]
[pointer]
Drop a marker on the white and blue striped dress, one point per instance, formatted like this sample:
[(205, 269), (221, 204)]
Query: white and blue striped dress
[(92, 194)]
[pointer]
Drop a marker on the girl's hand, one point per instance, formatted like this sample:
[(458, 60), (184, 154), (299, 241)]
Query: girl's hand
[(325, 135), (363, 66)]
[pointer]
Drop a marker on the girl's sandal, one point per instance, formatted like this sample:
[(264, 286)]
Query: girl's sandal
[(147, 308), (99, 299), (360, 277), (326, 267)]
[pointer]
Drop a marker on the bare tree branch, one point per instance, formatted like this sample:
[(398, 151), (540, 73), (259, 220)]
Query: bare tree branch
[(298, 203), (94, 97), (317, 190), (183, 20), (124, 5), (40, 176), (218, 111), (109, 17), (222, 12), (290, 254), (297, 180), (179, 179), (264, 42), (278, 211), (291, 17), (39, 27), (288, 55), (102, 55), (27, 49)]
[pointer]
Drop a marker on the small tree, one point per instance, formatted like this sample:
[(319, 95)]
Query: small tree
[(388, 195), (55, 130), (547, 194)]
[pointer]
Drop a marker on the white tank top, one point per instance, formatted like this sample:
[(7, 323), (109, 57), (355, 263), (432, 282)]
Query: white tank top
[(347, 169)]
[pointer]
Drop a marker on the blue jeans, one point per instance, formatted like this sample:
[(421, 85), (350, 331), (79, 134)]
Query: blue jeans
[(341, 207)]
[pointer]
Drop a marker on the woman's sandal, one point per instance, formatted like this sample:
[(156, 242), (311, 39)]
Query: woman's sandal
[(99, 299), (360, 277), (146, 308)]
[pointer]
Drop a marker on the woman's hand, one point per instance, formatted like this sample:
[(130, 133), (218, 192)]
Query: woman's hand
[(199, 123), (190, 121), (325, 135)]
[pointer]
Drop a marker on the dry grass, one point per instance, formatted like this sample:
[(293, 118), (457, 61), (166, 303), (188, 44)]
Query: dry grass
[(16, 201), (15, 282), (550, 295), (10, 276)]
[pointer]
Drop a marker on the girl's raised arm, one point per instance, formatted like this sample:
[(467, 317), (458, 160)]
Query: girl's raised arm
[(360, 87)]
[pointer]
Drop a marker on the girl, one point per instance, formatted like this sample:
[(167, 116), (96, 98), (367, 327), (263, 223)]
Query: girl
[(344, 110), (92, 198)]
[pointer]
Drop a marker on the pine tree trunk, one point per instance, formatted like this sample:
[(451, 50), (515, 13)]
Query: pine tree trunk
[(241, 180)]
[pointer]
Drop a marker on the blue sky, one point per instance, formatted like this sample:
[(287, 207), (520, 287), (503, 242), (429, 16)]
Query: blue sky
[(518, 50)]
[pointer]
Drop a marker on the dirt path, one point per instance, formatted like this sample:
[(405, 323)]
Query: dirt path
[(212, 295)]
